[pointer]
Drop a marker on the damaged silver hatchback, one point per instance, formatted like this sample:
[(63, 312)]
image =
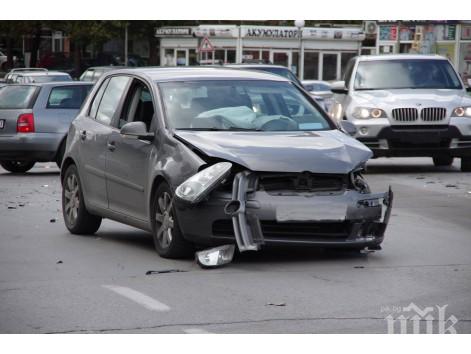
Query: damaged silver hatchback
[(205, 157)]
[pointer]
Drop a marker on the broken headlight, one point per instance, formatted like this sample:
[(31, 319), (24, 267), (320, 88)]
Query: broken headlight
[(359, 183), (195, 188)]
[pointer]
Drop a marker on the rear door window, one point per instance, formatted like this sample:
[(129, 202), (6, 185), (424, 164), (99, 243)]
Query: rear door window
[(18, 97), (67, 97)]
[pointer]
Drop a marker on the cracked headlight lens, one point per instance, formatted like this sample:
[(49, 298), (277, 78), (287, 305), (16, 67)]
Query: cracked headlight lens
[(195, 188), (462, 112), (365, 113)]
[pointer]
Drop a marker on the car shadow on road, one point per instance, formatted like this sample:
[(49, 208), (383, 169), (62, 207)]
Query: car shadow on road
[(132, 238), (30, 174)]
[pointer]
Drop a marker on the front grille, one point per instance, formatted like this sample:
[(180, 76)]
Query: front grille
[(294, 231), (433, 114), (405, 114), (301, 182)]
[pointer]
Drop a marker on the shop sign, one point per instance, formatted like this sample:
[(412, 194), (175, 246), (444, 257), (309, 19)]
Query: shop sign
[(173, 32), (388, 33), (333, 34), (216, 31), (466, 32), (270, 32)]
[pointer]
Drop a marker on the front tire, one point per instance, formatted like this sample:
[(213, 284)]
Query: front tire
[(466, 164), (168, 238), (77, 219), (17, 166), (443, 161)]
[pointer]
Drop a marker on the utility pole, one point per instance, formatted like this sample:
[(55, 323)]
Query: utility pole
[(126, 44)]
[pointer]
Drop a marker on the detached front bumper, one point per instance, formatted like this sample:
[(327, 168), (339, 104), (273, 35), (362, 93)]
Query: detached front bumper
[(252, 218)]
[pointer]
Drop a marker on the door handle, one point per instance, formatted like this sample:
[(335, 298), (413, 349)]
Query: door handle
[(83, 134), (111, 145)]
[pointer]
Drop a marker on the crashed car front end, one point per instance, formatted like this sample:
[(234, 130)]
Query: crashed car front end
[(252, 208)]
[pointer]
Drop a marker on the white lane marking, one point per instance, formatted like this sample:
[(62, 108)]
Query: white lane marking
[(140, 298), (196, 331)]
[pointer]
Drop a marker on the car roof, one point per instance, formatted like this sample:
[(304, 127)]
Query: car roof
[(111, 67), (400, 56), (55, 83), (252, 65), (43, 73), (198, 73)]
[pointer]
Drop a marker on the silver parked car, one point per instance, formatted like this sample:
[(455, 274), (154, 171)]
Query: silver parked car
[(407, 105), (34, 121), (35, 75), (93, 73), (211, 156)]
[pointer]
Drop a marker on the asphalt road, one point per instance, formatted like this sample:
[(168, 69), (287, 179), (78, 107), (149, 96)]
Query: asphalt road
[(55, 282)]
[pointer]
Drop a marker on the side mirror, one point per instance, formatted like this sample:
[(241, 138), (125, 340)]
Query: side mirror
[(338, 87), (137, 130), (348, 127)]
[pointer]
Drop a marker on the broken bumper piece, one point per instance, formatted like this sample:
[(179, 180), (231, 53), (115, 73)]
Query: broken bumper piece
[(363, 211)]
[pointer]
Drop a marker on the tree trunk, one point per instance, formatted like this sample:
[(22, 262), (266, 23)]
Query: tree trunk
[(154, 49), (35, 47), (77, 57)]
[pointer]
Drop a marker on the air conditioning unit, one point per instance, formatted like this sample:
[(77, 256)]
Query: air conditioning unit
[(370, 27)]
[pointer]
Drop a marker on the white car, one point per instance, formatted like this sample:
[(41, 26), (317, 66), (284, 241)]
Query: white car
[(407, 105)]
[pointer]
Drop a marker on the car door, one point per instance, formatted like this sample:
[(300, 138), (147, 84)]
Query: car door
[(127, 164), (94, 132)]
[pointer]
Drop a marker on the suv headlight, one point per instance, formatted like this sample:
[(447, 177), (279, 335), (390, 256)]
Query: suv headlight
[(365, 113), (462, 112), (195, 188)]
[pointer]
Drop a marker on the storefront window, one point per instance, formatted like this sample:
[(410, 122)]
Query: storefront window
[(169, 59), (231, 56), (181, 57), (266, 56), (311, 65), (344, 59), (251, 55), (192, 58), (329, 71), (219, 56), (295, 63), (465, 62)]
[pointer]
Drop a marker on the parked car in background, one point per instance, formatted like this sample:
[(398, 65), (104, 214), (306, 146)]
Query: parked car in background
[(277, 70), (319, 88), (407, 105), (34, 121), (210, 156), (35, 75), (95, 72)]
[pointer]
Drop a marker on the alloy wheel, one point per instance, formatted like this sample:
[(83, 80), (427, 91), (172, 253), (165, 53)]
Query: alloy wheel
[(72, 198), (164, 219)]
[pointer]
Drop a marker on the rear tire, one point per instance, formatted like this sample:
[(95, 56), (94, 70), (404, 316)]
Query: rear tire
[(466, 164), (442, 161), (17, 166), (77, 219), (168, 238)]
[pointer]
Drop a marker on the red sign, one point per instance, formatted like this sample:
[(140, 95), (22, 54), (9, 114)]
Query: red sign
[(206, 45)]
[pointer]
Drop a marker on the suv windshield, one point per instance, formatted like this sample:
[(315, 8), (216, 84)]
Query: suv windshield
[(240, 105), (17, 97), (406, 73)]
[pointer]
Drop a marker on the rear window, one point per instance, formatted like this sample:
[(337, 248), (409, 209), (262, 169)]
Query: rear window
[(50, 78), (17, 97), (68, 97)]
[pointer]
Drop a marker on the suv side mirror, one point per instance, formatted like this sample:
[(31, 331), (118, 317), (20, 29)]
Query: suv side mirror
[(348, 127), (338, 87), (137, 130)]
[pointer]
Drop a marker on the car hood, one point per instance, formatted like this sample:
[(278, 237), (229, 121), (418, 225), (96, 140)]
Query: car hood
[(317, 152), (413, 97)]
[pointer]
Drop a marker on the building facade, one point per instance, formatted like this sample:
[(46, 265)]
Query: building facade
[(324, 51)]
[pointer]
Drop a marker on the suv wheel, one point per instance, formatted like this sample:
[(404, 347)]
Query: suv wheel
[(17, 166), (76, 217), (168, 238), (442, 160), (466, 164)]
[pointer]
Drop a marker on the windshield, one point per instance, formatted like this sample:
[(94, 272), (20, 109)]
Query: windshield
[(17, 97), (239, 105), (406, 73)]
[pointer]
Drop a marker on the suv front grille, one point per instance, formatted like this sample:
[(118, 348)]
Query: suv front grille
[(405, 114), (433, 114)]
